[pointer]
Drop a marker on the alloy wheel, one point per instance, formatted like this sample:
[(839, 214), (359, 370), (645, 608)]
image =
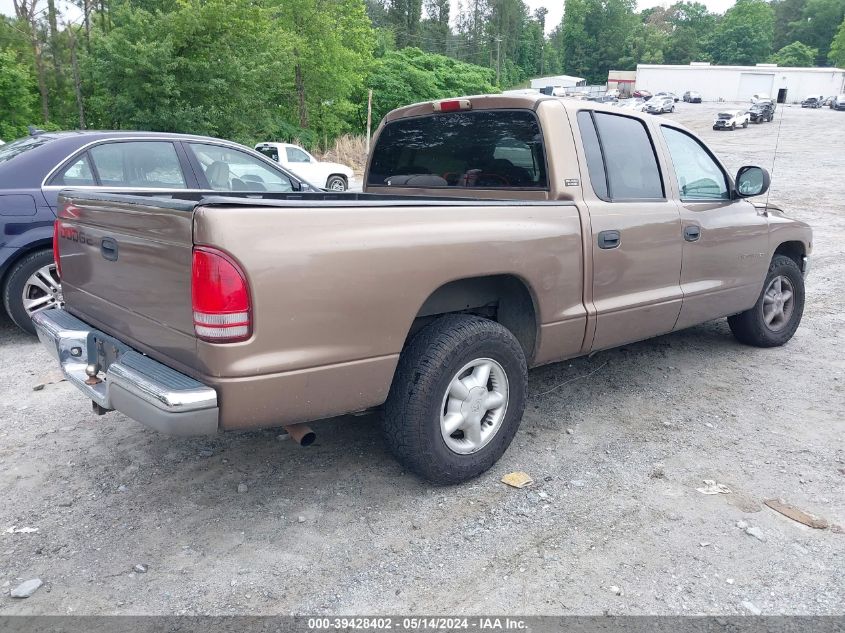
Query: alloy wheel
[(43, 290), (474, 406)]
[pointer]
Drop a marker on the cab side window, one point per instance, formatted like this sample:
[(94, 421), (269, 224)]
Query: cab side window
[(699, 175), (620, 157), (296, 155)]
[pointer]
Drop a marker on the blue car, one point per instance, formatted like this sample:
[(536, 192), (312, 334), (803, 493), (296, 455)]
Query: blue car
[(34, 169)]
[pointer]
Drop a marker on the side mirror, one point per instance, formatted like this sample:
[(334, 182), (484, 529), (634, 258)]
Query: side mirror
[(752, 181)]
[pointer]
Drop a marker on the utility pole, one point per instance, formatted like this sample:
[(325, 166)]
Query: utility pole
[(498, 59), (369, 117)]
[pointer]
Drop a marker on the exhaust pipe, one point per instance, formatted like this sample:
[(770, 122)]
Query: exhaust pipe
[(301, 434)]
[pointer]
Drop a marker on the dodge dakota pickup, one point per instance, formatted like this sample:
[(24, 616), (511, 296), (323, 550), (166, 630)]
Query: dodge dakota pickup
[(495, 234)]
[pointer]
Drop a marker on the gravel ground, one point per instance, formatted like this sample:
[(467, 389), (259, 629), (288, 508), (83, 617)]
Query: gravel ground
[(617, 443)]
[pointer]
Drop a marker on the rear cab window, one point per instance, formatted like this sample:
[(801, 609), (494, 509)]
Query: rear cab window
[(486, 149)]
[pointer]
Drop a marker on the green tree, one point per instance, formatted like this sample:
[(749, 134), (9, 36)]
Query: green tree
[(817, 25), (837, 47), (18, 101), (404, 16), (745, 33), (692, 26), (411, 75), (787, 18), (796, 55)]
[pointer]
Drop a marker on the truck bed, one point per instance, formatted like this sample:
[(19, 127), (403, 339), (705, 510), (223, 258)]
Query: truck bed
[(336, 282)]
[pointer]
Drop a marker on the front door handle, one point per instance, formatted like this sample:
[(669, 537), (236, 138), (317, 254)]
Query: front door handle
[(692, 232), (609, 239)]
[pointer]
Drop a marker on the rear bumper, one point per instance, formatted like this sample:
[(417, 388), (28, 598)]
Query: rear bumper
[(155, 395)]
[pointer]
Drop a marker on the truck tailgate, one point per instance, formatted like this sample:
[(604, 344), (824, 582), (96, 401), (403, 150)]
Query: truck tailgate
[(126, 268)]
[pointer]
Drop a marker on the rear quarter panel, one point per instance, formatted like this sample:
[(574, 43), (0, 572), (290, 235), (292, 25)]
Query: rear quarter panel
[(336, 289)]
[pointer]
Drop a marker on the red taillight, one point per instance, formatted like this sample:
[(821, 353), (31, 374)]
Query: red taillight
[(56, 255), (452, 105), (220, 297)]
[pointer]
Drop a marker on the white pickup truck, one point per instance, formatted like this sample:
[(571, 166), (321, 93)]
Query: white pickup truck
[(332, 176)]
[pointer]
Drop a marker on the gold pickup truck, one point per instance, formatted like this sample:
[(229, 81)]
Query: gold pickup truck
[(495, 234)]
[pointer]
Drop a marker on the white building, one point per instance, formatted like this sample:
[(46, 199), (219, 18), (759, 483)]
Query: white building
[(738, 83), (557, 81)]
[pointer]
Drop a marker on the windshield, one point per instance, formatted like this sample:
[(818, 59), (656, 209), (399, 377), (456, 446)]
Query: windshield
[(15, 148), (726, 115), (486, 149)]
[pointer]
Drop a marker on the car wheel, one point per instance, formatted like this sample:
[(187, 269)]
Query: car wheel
[(672, 109), (733, 126), (745, 123), (457, 398), (776, 315), (32, 286), (336, 183)]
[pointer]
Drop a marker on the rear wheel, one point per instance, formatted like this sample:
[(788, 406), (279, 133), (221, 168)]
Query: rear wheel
[(457, 398), (336, 183), (776, 315), (32, 286)]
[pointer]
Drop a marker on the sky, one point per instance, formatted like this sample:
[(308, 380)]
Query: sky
[(555, 8)]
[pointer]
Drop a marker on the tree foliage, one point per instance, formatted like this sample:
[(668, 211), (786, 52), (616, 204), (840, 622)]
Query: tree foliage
[(745, 33), (837, 47), (795, 54), (254, 70), (17, 96)]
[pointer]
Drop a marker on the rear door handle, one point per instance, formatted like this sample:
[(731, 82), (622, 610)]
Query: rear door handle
[(692, 232), (609, 239)]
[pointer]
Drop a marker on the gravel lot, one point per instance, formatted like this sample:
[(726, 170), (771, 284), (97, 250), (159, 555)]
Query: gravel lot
[(617, 443)]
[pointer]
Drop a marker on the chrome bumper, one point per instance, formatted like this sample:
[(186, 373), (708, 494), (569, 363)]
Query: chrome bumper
[(155, 395)]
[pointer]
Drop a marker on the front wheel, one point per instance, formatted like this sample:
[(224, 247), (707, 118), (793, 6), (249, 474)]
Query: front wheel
[(336, 183), (457, 398), (745, 124), (776, 315), (32, 286)]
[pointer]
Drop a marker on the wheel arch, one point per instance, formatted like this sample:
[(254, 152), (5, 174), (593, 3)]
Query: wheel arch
[(506, 299), (37, 245), (794, 249)]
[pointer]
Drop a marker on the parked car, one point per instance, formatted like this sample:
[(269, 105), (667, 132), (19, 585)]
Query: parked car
[(34, 169), (690, 96), (812, 101), (659, 105), (604, 99), (731, 119), (332, 176), (761, 111), (642, 94), (638, 105), (760, 96), (261, 313), (838, 102), (670, 95)]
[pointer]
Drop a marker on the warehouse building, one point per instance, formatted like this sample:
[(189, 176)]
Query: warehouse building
[(738, 83)]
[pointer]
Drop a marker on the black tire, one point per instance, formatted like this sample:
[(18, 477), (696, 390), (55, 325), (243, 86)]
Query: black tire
[(14, 287), (411, 421), (750, 328), (336, 183), (745, 124), (733, 127)]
